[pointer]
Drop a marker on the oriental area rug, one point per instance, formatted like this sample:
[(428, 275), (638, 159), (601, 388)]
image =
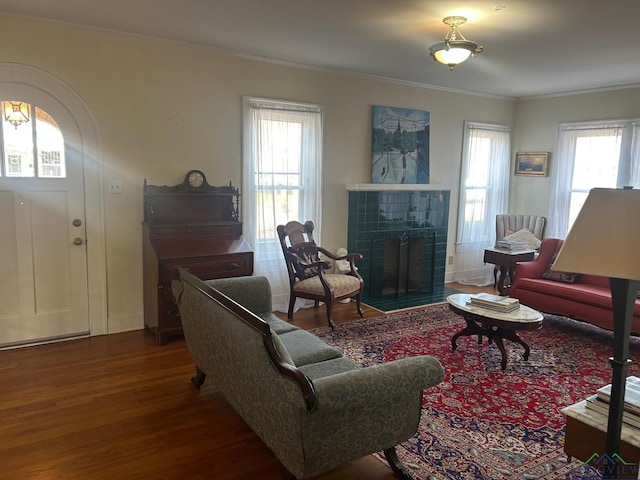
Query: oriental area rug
[(482, 422)]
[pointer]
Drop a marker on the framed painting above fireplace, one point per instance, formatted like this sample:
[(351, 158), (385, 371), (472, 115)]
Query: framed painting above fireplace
[(399, 145)]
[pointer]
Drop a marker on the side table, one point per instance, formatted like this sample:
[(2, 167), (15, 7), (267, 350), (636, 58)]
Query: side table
[(506, 261), (586, 432)]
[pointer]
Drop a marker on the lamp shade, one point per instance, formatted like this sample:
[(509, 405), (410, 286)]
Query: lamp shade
[(449, 54), (605, 238)]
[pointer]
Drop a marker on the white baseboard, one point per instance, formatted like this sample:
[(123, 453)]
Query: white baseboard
[(125, 323)]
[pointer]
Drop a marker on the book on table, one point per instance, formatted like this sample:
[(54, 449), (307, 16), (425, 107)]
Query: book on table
[(511, 245), (597, 404), (631, 394), (494, 302)]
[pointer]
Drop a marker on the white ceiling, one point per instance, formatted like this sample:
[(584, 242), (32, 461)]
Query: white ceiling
[(532, 47)]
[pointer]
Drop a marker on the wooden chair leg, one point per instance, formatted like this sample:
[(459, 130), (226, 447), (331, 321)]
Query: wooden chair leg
[(199, 378), (329, 304), (292, 302), (359, 305), (396, 464)]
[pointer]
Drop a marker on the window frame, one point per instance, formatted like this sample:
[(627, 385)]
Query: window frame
[(561, 209), (268, 258)]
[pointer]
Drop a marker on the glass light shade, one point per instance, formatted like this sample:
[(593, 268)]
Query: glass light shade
[(453, 52), (452, 56)]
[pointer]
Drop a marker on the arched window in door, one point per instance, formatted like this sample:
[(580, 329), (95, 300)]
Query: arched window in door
[(29, 133)]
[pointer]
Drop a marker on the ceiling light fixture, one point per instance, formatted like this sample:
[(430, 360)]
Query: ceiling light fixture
[(455, 49), (15, 112)]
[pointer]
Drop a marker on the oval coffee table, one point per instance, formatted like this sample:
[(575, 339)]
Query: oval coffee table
[(494, 325)]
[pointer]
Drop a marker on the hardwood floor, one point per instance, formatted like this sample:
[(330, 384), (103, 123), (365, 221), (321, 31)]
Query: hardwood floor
[(119, 407)]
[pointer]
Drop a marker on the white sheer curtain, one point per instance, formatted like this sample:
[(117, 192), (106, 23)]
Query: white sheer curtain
[(575, 141), (282, 157), (484, 189)]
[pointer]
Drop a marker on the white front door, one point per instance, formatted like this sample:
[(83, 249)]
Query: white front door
[(43, 256)]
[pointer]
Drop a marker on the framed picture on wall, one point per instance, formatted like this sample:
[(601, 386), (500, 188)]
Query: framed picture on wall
[(532, 163), (400, 145)]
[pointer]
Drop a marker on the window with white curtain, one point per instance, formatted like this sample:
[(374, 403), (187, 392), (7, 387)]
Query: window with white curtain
[(282, 158), (589, 155), (484, 190)]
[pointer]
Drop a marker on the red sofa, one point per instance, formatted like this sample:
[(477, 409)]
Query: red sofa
[(587, 299)]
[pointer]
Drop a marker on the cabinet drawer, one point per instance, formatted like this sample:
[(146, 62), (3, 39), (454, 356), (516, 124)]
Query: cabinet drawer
[(230, 228), (227, 266)]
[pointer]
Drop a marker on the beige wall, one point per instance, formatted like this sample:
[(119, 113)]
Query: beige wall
[(163, 108), (535, 130)]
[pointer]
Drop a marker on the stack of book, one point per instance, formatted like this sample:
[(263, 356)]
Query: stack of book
[(631, 414), (511, 245), (494, 302)]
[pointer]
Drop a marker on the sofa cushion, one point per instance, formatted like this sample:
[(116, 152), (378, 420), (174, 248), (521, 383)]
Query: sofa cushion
[(526, 237), (328, 368), (277, 325), (578, 292), (306, 348), (564, 277), (597, 280)]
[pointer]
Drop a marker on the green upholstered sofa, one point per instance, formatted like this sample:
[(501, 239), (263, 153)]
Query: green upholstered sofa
[(314, 408)]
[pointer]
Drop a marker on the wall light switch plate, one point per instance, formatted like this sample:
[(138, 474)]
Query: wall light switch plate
[(114, 186)]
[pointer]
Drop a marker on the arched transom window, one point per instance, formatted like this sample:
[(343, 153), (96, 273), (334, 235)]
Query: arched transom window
[(32, 143)]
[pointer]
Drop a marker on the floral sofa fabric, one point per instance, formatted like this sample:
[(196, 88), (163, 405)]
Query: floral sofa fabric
[(314, 408), (583, 297)]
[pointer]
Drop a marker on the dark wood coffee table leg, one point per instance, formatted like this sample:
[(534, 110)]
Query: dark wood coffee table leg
[(471, 329), (493, 334), (514, 337), (503, 351)]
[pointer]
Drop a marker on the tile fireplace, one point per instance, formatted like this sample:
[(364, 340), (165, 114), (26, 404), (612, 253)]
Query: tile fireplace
[(401, 231)]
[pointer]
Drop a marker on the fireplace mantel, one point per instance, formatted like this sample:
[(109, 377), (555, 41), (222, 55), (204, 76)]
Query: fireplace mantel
[(396, 187)]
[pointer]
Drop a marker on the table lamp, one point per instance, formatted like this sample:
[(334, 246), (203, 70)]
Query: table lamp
[(605, 241)]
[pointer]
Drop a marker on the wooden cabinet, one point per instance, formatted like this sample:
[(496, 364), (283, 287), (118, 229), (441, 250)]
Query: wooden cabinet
[(192, 225)]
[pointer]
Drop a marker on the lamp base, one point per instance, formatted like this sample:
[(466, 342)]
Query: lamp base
[(623, 295)]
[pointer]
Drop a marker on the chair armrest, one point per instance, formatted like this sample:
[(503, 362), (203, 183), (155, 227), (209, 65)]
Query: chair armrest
[(378, 384), (315, 266), (349, 256), (536, 268), (530, 269), (297, 260)]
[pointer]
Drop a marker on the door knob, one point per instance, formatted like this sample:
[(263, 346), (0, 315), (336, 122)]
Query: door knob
[(77, 241), (76, 222)]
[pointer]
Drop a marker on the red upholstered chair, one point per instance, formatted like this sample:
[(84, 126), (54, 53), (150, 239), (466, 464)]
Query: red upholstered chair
[(307, 276)]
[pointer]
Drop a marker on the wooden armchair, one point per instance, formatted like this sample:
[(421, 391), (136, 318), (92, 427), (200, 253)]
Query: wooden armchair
[(307, 277)]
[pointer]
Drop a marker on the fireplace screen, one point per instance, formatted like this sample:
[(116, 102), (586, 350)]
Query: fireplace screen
[(403, 266)]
